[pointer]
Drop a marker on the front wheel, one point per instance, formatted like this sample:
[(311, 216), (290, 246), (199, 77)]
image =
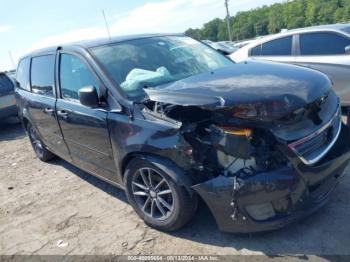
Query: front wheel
[(38, 146), (156, 198)]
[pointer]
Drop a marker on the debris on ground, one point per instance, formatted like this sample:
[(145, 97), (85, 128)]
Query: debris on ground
[(61, 243)]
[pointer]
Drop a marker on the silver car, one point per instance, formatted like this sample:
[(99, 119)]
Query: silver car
[(325, 48), (7, 97)]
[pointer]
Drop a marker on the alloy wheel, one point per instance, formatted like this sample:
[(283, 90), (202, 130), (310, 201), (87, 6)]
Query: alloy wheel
[(152, 193)]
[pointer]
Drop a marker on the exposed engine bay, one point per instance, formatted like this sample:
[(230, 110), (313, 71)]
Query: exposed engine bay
[(217, 145)]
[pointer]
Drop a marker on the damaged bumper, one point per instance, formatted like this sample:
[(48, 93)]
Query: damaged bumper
[(271, 200)]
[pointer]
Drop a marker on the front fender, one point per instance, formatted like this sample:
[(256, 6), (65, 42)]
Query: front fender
[(170, 168)]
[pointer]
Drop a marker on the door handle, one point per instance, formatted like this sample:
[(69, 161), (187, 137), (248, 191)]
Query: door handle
[(63, 114), (49, 111)]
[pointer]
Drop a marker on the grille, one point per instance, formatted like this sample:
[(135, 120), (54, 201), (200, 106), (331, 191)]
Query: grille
[(312, 148)]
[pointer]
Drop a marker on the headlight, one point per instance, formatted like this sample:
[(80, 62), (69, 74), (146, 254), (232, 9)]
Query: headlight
[(231, 130), (262, 111)]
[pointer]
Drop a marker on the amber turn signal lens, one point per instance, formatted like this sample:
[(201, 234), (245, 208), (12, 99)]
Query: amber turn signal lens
[(236, 131)]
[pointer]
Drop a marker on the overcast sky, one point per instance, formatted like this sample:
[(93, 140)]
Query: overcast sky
[(28, 25)]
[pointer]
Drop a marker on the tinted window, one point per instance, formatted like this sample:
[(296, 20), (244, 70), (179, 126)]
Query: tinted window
[(256, 51), (74, 74), (278, 47), (5, 84), (346, 29), (42, 75), (323, 44), (22, 74)]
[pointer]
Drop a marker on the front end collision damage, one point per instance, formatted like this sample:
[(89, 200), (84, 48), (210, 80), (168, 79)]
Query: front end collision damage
[(250, 178), (240, 152), (273, 199)]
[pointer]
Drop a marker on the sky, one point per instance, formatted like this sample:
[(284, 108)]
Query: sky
[(33, 24)]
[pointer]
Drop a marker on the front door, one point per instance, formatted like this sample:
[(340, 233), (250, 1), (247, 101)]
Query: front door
[(84, 129)]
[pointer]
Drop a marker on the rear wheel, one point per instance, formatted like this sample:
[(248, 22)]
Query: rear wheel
[(39, 148), (156, 198)]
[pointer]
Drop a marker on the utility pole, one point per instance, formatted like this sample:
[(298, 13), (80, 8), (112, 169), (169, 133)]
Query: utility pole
[(12, 61), (228, 21), (106, 23)]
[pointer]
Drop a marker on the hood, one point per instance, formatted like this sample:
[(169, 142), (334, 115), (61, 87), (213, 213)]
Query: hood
[(244, 83)]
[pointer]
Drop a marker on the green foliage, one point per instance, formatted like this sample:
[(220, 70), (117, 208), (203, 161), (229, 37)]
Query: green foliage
[(271, 19)]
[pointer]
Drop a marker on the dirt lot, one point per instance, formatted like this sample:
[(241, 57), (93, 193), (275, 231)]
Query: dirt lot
[(57, 209)]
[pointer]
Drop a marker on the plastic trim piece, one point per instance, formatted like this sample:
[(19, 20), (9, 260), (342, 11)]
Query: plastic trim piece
[(324, 152)]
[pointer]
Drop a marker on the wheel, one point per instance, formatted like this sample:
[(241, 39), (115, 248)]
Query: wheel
[(39, 148), (156, 198)]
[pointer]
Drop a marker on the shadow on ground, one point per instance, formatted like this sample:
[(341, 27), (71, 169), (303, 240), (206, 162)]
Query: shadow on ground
[(11, 129), (94, 181)]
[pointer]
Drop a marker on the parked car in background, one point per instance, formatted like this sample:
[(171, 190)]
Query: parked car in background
[(229, 46), (325, 48), (222, 47), (11, 74), (7, 97), (243, 43), (170, 119)]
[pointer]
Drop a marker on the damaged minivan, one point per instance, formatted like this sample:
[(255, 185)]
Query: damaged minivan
[(172, 121)]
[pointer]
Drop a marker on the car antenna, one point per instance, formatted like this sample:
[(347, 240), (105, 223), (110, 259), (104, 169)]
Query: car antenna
[(106, 23)]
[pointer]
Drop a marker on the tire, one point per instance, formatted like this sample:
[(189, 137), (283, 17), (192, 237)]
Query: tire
[(179, 206), (38, 146)]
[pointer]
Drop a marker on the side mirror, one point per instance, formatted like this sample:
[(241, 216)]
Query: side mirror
[(88, 96), (347, 50)]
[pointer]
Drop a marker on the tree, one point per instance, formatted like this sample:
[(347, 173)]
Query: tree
[(211, 29), (271, 19), (275, 18)]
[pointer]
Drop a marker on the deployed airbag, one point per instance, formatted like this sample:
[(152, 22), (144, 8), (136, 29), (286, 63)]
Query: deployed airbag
[(140, 78)]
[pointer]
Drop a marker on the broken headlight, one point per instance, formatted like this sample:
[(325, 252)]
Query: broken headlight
[(268, 111)]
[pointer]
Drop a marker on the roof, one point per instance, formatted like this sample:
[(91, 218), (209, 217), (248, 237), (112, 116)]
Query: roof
[(100, 42), (318, 27), (336, 27)]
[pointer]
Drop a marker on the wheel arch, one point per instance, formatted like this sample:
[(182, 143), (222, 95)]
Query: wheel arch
[(25, 122), (164, 164), (25, 119)]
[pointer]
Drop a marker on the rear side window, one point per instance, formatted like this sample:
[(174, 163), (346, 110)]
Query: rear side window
[(22, 74), (323, 44), (278, 47), (5, 84), (42, 75), (74, 74), (346, 29)]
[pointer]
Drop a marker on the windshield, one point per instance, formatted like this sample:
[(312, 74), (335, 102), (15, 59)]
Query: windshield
[(151, 62)]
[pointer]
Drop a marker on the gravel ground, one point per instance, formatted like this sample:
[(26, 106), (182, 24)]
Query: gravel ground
[(58, 209)]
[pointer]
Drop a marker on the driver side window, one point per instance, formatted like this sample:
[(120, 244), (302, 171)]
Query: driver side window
[(74, 74)]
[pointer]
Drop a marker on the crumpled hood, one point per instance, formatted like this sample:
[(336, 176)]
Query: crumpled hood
[(244, 83)]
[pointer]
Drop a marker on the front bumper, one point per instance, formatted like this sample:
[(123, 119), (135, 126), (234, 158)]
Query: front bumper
[(292, 192)]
